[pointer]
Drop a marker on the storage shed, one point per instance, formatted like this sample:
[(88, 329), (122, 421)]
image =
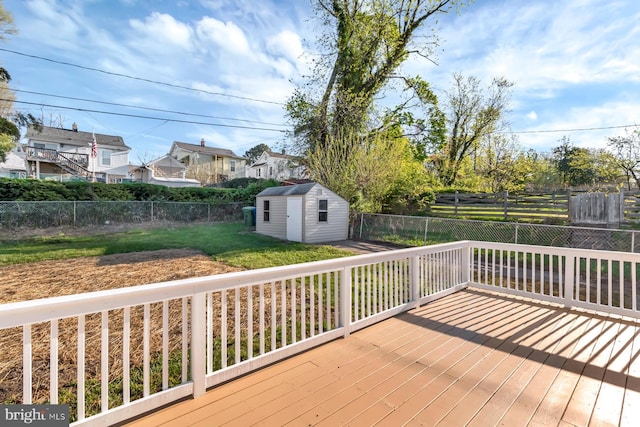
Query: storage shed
[(308, 213)]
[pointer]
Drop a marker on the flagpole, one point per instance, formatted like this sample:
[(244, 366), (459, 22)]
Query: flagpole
[(94, 154)]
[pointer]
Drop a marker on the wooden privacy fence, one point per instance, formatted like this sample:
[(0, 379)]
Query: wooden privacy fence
[(551, 207)]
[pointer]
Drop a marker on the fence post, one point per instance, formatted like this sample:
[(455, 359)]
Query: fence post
[(633, 241), (152, 211), (455, 206), (208, 212), (74, 213), (198, 343), (569, 276), (345, 300), (426, 229), (516, 235), (414, 280), (361, 221), (506, 204)]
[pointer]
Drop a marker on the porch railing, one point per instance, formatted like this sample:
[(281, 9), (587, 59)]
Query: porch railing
[(112, 355)]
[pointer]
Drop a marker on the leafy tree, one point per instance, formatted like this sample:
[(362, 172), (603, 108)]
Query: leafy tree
[(626, 155), (366, 41), (379, 166), (254, 153), (471, 115), (502, 164), (9, 119), (580, 166)]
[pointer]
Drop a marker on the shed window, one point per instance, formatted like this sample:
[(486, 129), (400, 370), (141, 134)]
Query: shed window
[(322, 210), (265, 211), (232, 165)]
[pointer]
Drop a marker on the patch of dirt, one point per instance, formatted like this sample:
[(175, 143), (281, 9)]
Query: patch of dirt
[(72, 276)]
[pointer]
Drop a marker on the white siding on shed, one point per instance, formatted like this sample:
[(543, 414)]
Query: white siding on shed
[(336, 226), (276, 227), (313, 230)]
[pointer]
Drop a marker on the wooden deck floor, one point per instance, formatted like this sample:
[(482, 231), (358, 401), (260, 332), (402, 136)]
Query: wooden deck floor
[(473, 358)]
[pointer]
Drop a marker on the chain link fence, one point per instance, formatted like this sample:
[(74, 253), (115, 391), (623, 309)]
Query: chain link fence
[(416, 231), (42, 215)]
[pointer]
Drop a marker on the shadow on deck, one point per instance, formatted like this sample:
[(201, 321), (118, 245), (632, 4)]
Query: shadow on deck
[(473, 357)]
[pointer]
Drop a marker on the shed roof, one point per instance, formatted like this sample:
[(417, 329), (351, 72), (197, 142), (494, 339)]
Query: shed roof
[(289, 190)]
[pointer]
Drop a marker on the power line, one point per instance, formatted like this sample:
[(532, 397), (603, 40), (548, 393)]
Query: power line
[(98, 70), (138, 116), (145, 108), (568, 130)]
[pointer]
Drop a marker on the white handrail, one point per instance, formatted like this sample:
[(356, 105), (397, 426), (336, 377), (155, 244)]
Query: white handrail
[(237, 322)]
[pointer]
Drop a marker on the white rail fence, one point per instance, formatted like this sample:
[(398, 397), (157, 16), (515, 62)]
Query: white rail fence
[(112, 355)]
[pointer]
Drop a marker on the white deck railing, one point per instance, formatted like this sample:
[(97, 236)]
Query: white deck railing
[(135, 349)]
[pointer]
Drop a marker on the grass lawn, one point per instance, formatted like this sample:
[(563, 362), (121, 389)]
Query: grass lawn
[(228, 243)]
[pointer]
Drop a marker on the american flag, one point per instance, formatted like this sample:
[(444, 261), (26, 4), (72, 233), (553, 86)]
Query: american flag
[(94, 147)]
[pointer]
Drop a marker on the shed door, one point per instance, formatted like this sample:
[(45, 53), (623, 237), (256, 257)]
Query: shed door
[(294, 219)]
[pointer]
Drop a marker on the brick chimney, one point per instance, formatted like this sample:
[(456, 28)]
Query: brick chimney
[(202, 142)]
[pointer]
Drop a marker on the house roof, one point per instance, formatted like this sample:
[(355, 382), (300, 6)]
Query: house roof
[(69, 136), (211, 151), (289, 190)]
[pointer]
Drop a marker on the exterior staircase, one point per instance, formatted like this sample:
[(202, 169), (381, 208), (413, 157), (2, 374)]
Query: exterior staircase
[(72, 163)]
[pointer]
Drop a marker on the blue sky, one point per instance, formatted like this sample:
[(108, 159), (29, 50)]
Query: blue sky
[(575, 65)]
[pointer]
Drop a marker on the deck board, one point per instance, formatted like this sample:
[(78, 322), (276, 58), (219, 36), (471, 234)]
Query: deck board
[(474, 357)]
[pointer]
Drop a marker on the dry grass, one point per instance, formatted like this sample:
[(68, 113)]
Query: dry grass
[(54, 278)]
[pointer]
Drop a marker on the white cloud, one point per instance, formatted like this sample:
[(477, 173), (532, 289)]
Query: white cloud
[(227, 36), (532, 115), (162, 29), (287, 44)]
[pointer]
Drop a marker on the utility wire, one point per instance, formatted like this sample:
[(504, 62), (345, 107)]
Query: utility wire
[(568, 130), (245, 98), (138, 116), (145, 108)]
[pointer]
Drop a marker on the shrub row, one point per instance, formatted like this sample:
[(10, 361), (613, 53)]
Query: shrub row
[(36, 190)]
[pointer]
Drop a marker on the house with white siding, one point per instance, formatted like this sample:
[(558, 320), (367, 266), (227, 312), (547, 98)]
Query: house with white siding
[(65, 154), (278, 166), (308, 213)]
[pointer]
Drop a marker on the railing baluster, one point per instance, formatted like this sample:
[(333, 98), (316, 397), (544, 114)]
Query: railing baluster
[(224, 344), (53, 356), (165, 344), (27, 365), (104, 362), (126, 349), (262, 320), (237, 329), (294, 303), (283, 311), (303, 308), (312, 306), (146, 334), (336, 299), (209, 329), (274, 328), (250, 322), (80, 367), (185, 344), (320, 299)]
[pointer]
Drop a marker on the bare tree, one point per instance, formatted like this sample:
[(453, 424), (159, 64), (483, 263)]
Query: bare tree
[(472, 113)]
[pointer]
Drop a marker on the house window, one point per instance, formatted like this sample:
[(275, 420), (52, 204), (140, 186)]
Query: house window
[(233, 165), (258, 173), (323, 214), (265, 211), (270, 170), (105, 157)]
